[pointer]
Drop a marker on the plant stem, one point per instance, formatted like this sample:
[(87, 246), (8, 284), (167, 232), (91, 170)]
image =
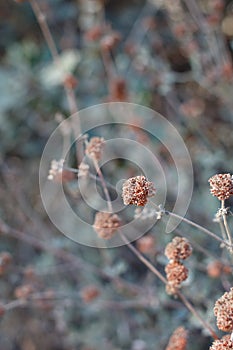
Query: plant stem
[(41, 19), (199, 227), (153, 269), (225, 223), (103, 183), (190, 307)]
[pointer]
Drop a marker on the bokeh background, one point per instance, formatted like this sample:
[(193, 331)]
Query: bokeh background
[(172, 56)]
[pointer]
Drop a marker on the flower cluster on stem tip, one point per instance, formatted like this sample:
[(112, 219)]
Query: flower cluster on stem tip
[(136, 190), (221, 186), (178, 249), (106, 224), (178, 339)]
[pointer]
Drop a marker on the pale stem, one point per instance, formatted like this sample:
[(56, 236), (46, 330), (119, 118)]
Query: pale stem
[(199, 227), (225, 223), (103, 183)]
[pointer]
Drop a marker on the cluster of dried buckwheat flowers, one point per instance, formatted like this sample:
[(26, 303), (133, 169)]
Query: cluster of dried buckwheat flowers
[(136, 190), (178, 249), (178, 339), (106, 224), (221, 186), (94, 148), (223, 311)]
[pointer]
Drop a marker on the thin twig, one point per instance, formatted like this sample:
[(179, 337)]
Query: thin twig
[(41, 19), (199, 227), (153, 269)]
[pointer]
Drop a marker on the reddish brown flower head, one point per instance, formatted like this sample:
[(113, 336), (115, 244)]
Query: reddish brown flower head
[(106, 224), (178, 340), (178, 249), (223, 310), (137, 190), (146, 244), (215, 268), (89, 293), (176, 273), (224, 343), (94, 148), (221, 186)]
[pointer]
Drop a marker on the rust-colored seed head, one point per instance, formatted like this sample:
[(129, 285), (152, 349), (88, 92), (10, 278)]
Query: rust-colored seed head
[(178, 249), (89, 293), (214, 269), (137, 190), (224, 343), (176, 273), (146, 244), (106, 224), (223, 310), (221, 186), (178, 340), (94, 148)]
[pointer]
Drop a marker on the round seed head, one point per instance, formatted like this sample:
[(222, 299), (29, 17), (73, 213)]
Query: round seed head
[(178, 340), (223, 310), (176, 273), (178, 249), (224, 343), (136, 190), (221, 186), (106, 224)]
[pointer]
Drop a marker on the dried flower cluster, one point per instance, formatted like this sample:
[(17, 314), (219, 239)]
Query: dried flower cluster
[(224, 343), (55, 168), (83, 170), (94, 148), (176, 273), (223, 310), (137, 190), (216, 268), (89, 293), (106, 224), (178, 340), (178, 249), (221, 186), (146, 244)]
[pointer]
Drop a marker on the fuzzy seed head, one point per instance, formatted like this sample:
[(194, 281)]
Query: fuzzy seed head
[(224, 343), (223, 310), (137, 190), (178, 249), (221, 186), (106, 224), (176, 273), (178, 340), (89, 293), (94, 148)]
